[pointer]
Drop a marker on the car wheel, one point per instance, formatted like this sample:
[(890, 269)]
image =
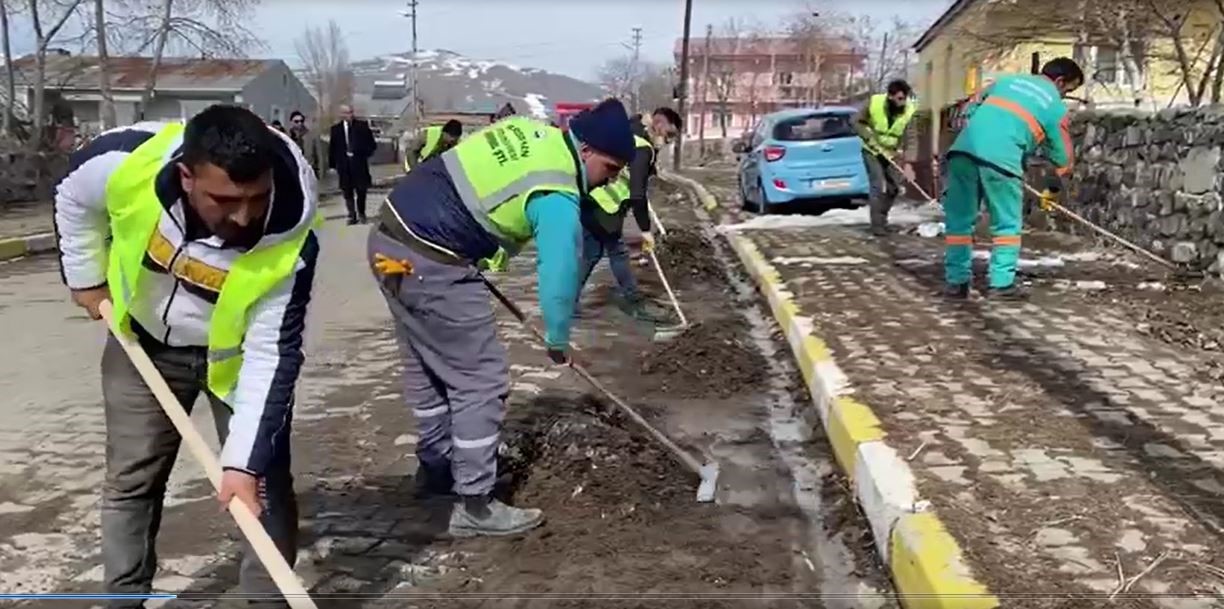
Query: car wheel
[(745, 201), (764, 208)]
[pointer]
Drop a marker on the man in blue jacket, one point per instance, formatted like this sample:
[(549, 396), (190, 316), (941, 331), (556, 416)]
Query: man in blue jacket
[(513, 182)]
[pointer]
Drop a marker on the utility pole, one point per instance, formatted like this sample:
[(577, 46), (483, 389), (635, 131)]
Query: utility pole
[(416, 96), (883, 62), (705, 87), (684, 59), (633, 70)]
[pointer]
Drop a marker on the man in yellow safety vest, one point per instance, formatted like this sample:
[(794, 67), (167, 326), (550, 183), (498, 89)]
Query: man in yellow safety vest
[(881, 124), (210, 268), (432, 141)]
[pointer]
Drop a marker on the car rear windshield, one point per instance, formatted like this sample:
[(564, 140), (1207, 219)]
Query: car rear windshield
[(814, 127)]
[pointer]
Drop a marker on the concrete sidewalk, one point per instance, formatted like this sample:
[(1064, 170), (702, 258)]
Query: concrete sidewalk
[(28, 228), (1017, 455)]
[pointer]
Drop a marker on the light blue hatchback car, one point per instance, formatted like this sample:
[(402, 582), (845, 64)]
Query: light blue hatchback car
[(810, 154)]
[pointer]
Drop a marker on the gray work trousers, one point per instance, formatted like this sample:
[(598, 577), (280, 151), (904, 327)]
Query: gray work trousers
[(141, 446), (456, 372), (885, 185)]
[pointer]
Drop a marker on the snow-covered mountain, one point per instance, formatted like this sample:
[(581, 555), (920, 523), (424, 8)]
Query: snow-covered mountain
[(450, 81)]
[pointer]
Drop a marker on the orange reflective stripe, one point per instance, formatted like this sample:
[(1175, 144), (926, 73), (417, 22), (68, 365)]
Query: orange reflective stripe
[(186, 268), (958, 239), (1021, 113), (1007, 240), (1063, 171)]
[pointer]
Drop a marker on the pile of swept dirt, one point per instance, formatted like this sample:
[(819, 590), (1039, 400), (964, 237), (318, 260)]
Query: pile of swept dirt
[(687, 256), (621, 522), (711, 358)]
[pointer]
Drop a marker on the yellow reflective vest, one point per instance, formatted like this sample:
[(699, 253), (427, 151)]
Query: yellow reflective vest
[(887, 137), (134, 210)]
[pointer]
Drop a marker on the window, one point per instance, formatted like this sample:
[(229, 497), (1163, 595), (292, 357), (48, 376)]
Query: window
[(1107, 65), (758, 136), (783, 78), (1106, 61), (814, 127)]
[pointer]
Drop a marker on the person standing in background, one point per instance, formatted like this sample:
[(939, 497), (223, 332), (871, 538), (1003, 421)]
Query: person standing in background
[(306, 140), (352, 144)]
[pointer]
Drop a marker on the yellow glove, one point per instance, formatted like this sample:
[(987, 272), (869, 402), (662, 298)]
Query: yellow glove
[(390, 266), (1046, 201), (648, 242)]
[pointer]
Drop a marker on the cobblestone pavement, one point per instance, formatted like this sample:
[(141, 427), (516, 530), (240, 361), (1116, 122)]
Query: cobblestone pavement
[(783, 526), (1065, 447)]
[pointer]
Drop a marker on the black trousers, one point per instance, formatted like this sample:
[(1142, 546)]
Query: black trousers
[(355, 202)]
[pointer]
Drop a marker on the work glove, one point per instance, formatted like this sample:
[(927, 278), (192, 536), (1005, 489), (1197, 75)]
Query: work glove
[(648, 242), (1046, 200)]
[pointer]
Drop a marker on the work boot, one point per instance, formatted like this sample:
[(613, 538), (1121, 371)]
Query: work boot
[(958, 291), (433, 483), (881, 230), (362, 219), (481, 515), (352, 221), (1013, 292)]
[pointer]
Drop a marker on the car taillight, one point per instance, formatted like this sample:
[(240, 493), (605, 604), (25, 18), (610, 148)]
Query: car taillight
[(773, 153), (779, 184)]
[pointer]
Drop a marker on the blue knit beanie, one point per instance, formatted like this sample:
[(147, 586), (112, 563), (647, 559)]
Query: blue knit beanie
[(606, 129)]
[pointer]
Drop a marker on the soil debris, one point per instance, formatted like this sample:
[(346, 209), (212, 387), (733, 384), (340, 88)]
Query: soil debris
[(711, 358), (686, 254)]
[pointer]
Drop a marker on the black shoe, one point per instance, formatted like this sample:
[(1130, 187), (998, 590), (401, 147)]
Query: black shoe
[(956, 292), (363, 220), (879, 231), (1012, 292), (352, 221), (431, 484)]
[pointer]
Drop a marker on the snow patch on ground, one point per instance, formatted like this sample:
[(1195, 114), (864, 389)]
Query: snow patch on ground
[(837, 217), (1047, 262), (817, 260), (536, 104)]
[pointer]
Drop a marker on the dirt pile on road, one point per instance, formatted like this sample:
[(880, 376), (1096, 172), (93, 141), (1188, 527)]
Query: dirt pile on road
[(711, 358), (621, 521), (687, 256)]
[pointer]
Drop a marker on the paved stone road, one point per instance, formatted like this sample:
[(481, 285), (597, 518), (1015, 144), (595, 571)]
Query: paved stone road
[(363, 531), (1061, 445)]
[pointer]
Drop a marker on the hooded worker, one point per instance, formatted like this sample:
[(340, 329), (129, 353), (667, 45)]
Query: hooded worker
[(1009, 120), (432, 141), (513, 182)]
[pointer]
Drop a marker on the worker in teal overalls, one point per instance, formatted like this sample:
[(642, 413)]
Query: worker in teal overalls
[(1008, 121)]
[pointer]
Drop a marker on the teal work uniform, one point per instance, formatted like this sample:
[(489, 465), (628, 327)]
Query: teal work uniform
[(1007, 121)]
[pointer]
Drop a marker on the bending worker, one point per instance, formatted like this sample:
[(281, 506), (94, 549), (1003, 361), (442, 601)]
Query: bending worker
[(432, 142), (209, 265), (881, 124), (603, 223), (1007, 121), (514, 181)]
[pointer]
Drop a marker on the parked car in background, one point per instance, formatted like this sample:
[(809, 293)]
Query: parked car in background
[(810, 154)]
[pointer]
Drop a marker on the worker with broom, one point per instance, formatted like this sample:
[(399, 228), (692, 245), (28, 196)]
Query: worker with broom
[(1009, 120), (881, 124), (603, 223), (431, 142), (513, 182), (200, 236)]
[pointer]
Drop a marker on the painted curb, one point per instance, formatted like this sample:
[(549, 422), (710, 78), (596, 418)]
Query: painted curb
[(923, 559), (16, 247)]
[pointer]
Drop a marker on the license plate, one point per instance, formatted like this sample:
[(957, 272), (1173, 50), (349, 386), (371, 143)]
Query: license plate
[(830, 184)]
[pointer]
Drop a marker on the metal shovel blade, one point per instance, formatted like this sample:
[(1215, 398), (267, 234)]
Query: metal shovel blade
[(665, 334), (709, 483)]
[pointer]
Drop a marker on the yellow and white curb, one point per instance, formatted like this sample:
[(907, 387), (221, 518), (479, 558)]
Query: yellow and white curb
[(16, 247), (923, 559)]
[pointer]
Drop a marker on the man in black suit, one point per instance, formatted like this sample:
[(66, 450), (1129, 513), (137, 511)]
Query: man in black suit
[(352, 144)]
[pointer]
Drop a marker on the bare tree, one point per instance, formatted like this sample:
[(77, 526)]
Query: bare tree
[(1197, 71), (655, 86), (617, 76), (108, 117), (326, 60), (58, 14), (10, 86), (725, 68), (200, 28)]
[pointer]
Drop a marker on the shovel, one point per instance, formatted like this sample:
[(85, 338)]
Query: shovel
[(707, 472), (282, 574), (668, 333)]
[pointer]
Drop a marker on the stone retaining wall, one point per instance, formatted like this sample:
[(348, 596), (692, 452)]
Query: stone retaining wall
[(26, 176), (1154, 179)]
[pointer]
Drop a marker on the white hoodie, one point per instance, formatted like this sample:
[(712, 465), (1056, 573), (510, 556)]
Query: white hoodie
[(175, 304)]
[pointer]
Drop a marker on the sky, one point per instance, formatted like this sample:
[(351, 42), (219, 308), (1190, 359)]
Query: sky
[(570, 37)]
